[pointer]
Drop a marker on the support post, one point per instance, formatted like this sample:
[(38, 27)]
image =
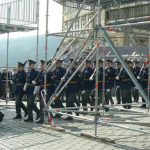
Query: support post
[(37, 38), (97, 66), (46, 49)]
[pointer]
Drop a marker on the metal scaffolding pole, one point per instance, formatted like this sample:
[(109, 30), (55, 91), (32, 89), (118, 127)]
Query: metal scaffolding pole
[(70, 44), (7, 63), (112, 46), (46, 49), (97, 62), (37, 38), (72, 23)]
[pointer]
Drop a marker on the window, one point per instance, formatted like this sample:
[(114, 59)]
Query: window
[(83, 22)]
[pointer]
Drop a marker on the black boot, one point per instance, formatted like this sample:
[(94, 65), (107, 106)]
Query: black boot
[(40, 121), (29, 120), (18, 117)]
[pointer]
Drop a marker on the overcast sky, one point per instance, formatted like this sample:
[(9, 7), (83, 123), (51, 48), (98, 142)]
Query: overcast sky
[(55, 20)]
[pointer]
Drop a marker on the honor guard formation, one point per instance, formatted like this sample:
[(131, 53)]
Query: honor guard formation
[(113, 83)]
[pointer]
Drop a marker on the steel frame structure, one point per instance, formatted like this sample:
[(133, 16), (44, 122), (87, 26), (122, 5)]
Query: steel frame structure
[(99, 40), (15, 16)]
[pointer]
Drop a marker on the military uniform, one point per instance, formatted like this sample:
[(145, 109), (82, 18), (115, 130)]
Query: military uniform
[(135, 92), (19, 81), (109, 80), (59, 72), (86, 86), (72, 89), (126, 85), (31, 76), (143, 77), (49, 89), (118, 84), (1, 85)]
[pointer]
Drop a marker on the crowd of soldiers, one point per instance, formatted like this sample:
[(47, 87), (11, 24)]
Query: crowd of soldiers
[(80, 89)]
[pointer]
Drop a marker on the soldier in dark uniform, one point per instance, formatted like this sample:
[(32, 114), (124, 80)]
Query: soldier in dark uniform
[(59, 72), (49, 88), (126, 86), (143, 77), (118, 82), (72, 89), (136, 70), (31, 76), (1, 85), (86, 84), (109, 80), (19, 81)]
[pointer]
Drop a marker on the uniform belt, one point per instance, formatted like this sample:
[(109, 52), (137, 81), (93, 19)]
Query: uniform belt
[(46, 85), (19, 84), (100, 81), (73, 82), (144, 79), (110, 78), (125, 80), (86, 79)]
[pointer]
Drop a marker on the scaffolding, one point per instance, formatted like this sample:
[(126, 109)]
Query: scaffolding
[(18, 16), (103, 47)]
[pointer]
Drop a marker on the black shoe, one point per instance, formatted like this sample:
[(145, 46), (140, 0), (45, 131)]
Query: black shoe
[(143, 106), (1, 116), (25, 115), (77, 114), (37, 117), (68, 118), (106, 109), (29, 120), (17, 117), (40, 121)]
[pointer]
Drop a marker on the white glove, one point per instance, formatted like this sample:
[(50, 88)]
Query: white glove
[(33, 82), (11, 82), (36, 89), (25, 86), (83, 92), (117, 86), (117, 78), (91, 78), (107, 90), (138, 77), (63, 79)]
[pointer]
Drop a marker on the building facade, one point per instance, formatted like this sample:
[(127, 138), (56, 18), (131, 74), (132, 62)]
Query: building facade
[(134, 12)]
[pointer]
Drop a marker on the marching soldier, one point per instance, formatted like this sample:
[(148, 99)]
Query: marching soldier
[(136, 70), (72, 89), (49, 88), (118, 82), (31, 76), (126, 85), (1, 85), (19, 81), (59, 72), (110, 76), (143, 77), (86, 84)]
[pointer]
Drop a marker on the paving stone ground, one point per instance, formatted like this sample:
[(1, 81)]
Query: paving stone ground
[(18, 135)]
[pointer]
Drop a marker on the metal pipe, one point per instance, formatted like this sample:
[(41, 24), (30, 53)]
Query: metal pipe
[(63, 51), (72, 23), (46, 49), (107, 38), (128, 24), (37, 38), (97, 62)]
